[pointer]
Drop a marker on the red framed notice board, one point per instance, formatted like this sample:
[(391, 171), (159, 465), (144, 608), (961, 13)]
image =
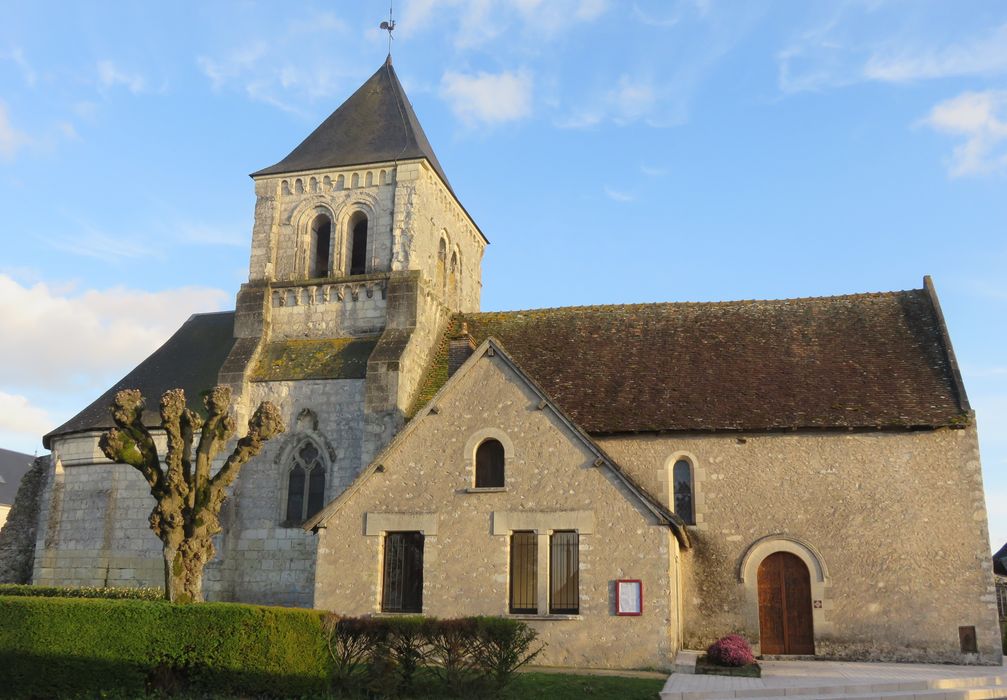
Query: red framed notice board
[(629, 596)]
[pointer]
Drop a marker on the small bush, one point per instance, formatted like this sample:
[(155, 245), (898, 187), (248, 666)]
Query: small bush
[(732, 650), (81, 592), (502, 647), (384, 656), (452, 653)]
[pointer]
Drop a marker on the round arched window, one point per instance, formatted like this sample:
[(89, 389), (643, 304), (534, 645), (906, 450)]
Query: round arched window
[(490, 465)]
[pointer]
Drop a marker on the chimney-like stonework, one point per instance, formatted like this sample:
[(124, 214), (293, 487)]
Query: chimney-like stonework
[(460, 348)]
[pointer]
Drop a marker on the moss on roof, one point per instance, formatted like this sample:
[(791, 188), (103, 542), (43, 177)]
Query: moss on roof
[(857, 361), (337, 358)]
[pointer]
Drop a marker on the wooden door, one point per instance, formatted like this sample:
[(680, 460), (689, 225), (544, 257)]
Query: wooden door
[(785, 625)]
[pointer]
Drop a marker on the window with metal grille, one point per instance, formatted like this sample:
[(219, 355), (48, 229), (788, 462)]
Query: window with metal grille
[(564, 578), (402, 583), (524, 573), (305, 484), (490, 465), (682, 478)]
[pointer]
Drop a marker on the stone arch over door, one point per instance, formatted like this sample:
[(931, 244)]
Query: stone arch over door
[(819, 582)]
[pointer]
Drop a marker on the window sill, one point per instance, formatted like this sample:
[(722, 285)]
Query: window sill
[(486, 489), (544, 618), (388, 613)]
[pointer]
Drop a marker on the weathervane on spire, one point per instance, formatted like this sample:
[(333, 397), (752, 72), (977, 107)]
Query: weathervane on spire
[(389, 27)]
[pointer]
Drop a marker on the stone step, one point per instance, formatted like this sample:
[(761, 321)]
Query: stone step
[(956, 688), (685, 661)]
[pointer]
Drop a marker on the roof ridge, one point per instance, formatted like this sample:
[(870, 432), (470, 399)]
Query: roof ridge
[(728, 302)]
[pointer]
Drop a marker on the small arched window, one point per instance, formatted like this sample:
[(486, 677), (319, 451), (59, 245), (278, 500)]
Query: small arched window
[(358, 244), (321, 246), (684, 491), (442, 261), (453, 280), (490, 465), (305, 483)]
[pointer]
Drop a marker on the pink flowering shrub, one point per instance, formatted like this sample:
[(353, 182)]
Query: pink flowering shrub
[(732, 650)]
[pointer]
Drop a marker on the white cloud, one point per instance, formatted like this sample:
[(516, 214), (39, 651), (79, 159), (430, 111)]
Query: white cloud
[(18, 417), (653, 171), (488, 98), (309, 59), (981, 55), (862, 42), (618, 195), (980, 118), (91, 243), (11, 140), (66, 338), (28, 73), (110, 75)]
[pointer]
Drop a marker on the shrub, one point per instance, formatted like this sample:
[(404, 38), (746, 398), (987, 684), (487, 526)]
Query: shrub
[(351, 643), (52, 647), (452, 647), (732, 650), (384, 655), (81, 592), (502, 647)]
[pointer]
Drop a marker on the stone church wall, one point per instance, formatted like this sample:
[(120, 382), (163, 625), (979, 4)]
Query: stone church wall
[(551, 482), (94, 527), (17, 537), (425, 212), (897, 518)]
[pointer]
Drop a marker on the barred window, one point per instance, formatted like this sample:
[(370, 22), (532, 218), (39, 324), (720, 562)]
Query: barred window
[(524, 573), (564, 574), (402, 584), (682, 478), (305, 484), (490, 465)]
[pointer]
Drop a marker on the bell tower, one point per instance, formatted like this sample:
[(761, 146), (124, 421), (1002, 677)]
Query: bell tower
[(359, 241)]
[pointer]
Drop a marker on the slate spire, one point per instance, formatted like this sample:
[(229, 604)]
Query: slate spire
[(375, 125)]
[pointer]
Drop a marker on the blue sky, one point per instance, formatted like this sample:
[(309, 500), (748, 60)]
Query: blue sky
[(611, 151)]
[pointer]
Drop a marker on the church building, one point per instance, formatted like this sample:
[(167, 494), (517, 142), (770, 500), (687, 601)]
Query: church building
[(631, 480)]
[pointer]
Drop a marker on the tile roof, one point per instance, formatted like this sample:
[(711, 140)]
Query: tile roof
[(190, 359), (13, 466), (376, 124), (859, 361)]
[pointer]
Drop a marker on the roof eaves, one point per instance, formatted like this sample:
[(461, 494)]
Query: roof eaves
[(663, 515), (956, 375)]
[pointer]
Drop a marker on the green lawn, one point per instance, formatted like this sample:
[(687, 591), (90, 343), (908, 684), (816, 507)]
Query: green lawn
[(560, 686)]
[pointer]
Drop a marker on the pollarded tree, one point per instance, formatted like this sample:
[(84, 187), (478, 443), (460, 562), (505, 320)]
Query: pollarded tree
[(187, 513)]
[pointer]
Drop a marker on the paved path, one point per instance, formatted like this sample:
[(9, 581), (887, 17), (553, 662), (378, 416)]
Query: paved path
[(834, 678)]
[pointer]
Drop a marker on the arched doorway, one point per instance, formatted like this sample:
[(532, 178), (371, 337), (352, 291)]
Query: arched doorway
[(785, 624)]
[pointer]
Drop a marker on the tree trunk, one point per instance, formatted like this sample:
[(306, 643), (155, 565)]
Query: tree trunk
[(183, 575)]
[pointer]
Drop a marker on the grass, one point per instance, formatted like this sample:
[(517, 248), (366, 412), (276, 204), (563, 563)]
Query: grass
[(560, 686), (555, 686)]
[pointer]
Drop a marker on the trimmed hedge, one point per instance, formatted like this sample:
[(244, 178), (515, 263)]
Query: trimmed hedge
[(81, 592), (387, 656), (51, 647)]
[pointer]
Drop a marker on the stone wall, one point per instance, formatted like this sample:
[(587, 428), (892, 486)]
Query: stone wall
[(18, 533), (286, 206), (897, 519), (425, 213), (426, 484), (329, 310)]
